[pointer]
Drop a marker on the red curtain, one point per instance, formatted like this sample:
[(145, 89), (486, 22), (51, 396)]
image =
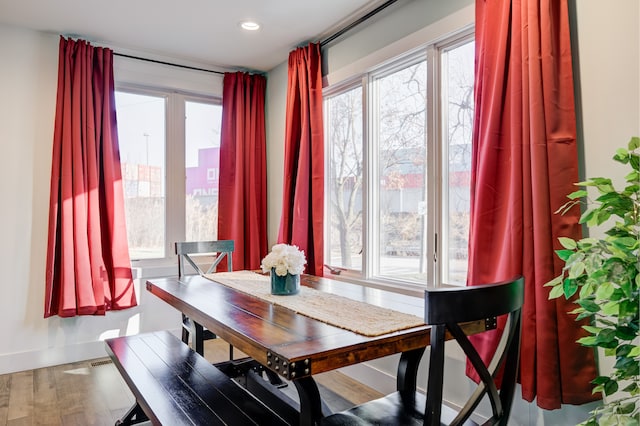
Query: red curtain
[(88, 269), (242, 202), (525, 163), (303, 196)]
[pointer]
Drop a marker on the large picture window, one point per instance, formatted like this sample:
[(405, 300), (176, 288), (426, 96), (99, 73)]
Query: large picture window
[(169, 149), (399, 160)]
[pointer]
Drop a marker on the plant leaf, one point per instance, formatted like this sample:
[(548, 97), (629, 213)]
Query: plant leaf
[(626, 367), (591, 329), (587, 341), (621, 154), (564, 255), (557, 280), (556, 292), (600, 380), (627, 408), (602, 217), (606, 336), (631, 388), (569, 287), (610, 387), (577, 194), (612, 308), (584, 315), (589, 305), (587, 216), (626, 333), (576, 270), (587, 290), (604, 291), (568, 243), (634, 160)]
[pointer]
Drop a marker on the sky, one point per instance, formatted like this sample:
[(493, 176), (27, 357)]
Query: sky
[(141, 128)]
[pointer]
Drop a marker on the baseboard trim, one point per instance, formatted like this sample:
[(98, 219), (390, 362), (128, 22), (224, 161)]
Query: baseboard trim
[(31, 360)]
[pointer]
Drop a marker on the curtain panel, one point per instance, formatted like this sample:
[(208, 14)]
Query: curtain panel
[(242, 201), (524, 164), (302, 218), (88, 270)]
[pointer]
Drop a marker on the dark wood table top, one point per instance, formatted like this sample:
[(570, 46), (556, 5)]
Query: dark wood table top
[(291, 344)]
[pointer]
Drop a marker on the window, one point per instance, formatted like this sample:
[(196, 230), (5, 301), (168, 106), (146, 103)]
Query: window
[(202, 163), (457, 123), (169, 149), (344, 112), (398, 169), (399, 104)]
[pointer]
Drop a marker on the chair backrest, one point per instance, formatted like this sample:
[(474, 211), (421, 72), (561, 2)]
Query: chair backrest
[(189, 250), (445, 308)]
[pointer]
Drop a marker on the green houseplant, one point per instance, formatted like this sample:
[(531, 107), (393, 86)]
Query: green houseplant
[(604, 277)]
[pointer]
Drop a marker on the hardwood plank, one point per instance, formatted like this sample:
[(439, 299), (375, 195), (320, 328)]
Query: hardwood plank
[(69, 389), (109, 387), (22, 421), (21, 396), (5, 389), (45, 397), (347, 388)]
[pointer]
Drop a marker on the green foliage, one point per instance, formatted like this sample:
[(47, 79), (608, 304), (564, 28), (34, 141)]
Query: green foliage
[(604, 277)]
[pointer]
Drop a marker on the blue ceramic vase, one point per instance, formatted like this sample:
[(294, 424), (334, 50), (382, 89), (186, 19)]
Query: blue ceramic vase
[(284, 285)]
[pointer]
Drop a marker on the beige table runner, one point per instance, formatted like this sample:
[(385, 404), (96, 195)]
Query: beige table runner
[(339, 311)]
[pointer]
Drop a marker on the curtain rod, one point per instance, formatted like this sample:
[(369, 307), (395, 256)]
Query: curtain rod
[(357, 22), (167, 63)]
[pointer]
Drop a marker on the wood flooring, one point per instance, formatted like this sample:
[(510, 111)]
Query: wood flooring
[(93, 393)]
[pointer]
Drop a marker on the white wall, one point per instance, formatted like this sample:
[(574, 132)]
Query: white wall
[(276, 100), (608, 78), (608, 40)]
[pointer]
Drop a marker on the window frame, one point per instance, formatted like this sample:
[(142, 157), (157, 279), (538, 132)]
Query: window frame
[(175, 169), (436, 163), (448, 44)]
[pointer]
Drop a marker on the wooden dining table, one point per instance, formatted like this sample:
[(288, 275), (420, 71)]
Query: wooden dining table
[(296, 346)]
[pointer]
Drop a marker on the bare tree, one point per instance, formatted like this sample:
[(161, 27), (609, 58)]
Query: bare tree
[(346, 170), (401, 149)]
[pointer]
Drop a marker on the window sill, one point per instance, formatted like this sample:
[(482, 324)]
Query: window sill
[(401, 287)]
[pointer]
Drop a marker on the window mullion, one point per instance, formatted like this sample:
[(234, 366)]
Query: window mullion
[(434, 178), (371, 150), (175, 179)]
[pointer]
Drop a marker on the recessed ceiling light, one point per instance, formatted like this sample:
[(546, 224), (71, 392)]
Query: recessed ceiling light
[(250, 26)]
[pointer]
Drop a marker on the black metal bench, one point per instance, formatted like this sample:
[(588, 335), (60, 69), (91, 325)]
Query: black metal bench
[(173, 385)]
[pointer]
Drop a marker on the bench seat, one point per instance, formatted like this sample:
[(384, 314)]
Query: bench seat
[(173, 385)]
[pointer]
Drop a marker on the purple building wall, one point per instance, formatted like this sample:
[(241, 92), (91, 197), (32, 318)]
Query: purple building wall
[(202, 180)]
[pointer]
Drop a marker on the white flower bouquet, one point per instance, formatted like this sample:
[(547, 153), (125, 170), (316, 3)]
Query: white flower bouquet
[(284, 259)]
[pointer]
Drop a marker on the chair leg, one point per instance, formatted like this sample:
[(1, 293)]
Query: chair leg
[(198, 339), (134, 416), (185, 331)]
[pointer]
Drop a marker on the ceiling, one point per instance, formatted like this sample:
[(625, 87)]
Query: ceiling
[(205, 32)]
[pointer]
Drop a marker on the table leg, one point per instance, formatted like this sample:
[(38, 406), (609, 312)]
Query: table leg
[(311, 407), (408, 370)]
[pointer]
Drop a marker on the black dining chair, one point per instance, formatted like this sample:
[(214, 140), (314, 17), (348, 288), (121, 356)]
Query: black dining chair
[(196, 254), (445, 310)]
